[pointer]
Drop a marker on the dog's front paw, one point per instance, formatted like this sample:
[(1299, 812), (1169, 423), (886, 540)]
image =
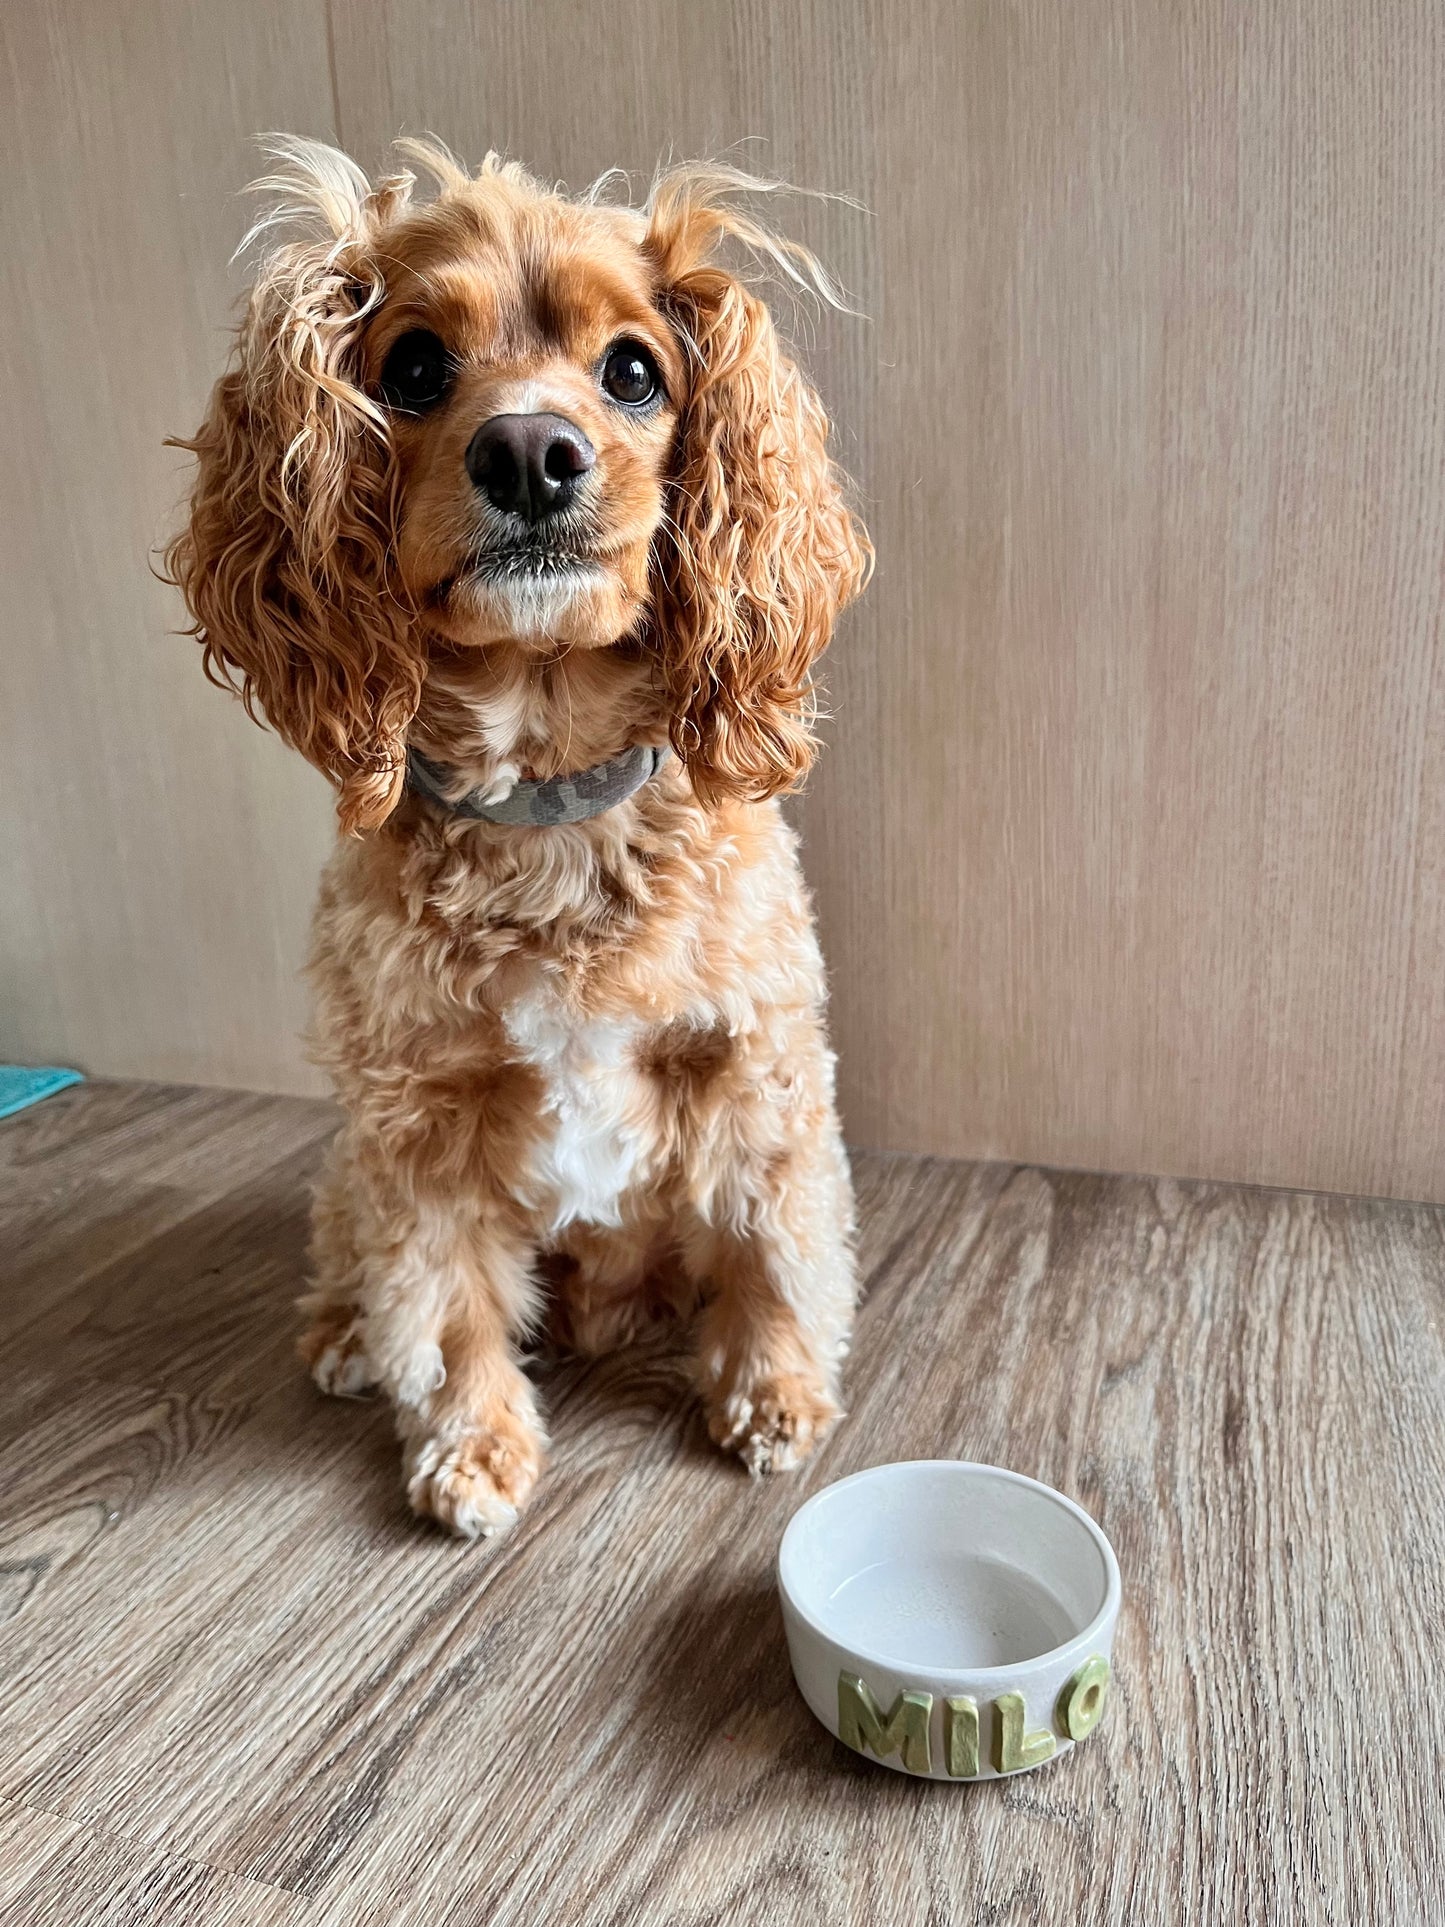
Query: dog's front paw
[(335, 1353), (475, 1479), (774, 1422)]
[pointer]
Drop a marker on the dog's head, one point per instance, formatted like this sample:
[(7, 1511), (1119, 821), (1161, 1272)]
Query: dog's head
[(507, 416)]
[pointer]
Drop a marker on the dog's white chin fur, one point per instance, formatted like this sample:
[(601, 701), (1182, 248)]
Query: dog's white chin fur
[(550, 605)]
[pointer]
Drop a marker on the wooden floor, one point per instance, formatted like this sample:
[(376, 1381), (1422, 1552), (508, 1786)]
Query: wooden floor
[(240, 1684)]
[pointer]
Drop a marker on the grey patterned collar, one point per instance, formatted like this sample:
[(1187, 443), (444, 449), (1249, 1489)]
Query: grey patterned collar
[(557, 799)]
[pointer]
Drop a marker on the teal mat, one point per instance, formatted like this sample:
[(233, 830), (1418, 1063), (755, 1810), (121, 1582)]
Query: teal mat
[(22, 1084)]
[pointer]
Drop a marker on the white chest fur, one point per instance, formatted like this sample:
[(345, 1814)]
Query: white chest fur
[(588, 1066)]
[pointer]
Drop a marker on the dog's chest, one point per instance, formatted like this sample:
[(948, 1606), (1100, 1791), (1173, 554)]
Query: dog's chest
[(592, 1148)]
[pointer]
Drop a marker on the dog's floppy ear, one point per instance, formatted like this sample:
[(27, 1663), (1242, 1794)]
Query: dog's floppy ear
[(284, 561), (758, 551)]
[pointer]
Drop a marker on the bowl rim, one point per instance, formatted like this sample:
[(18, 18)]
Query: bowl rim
[(1085, 1637)]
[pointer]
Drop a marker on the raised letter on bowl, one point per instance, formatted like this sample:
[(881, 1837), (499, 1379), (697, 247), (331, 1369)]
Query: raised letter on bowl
[(1013, 1748), (905, 1731), (1082, 1700), (960, 1738)]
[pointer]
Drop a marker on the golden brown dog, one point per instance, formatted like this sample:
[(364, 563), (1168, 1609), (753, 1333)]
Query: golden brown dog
[(517, 484)]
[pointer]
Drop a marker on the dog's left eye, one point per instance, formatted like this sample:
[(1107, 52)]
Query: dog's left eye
[(630, 375), (416, 373)]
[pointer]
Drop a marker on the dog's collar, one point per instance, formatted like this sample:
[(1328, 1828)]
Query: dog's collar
[(553, 799)]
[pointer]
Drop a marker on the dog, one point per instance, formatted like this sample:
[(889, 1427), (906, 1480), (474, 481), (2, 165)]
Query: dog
[(513, 515)]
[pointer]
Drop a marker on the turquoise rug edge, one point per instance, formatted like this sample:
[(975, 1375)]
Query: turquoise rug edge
[(22, 1085)]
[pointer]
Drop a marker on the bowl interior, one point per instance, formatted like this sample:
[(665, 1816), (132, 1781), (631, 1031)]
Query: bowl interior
[(941, 1566)]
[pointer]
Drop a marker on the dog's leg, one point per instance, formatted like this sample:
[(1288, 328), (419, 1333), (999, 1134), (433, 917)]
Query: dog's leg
[(445, 1295), (779, 1268)]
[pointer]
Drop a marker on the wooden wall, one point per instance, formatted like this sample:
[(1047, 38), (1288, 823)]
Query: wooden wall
[(1127, 848)]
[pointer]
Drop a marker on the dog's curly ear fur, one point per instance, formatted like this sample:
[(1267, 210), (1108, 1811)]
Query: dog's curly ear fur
[(758, 551), (283, 563)]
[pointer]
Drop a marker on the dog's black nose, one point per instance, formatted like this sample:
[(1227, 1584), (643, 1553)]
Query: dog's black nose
[(529, 465)]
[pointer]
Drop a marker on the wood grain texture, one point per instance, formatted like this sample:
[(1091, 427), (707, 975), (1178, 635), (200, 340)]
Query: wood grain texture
[(160, 854), (241, 1679), (55, 1873), (1127, 847)]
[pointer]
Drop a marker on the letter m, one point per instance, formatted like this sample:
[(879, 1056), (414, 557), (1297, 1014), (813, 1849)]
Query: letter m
[(904, 1731)]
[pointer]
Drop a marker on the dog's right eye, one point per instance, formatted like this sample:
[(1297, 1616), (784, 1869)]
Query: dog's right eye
[(416, 373)]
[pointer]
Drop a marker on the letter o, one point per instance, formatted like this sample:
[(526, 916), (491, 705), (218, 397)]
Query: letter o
[(1082, 1701)]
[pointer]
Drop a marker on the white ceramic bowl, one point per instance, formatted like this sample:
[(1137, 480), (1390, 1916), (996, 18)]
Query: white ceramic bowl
[(950, 1620)]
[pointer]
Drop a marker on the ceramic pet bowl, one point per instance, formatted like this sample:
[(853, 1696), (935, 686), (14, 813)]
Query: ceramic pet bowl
[(950, 1620)]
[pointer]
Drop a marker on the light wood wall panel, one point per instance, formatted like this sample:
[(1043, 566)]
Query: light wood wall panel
[(159, 854), (1127, 844)]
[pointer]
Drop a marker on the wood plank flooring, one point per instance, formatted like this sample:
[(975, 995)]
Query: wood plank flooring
[(242, 1685)]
